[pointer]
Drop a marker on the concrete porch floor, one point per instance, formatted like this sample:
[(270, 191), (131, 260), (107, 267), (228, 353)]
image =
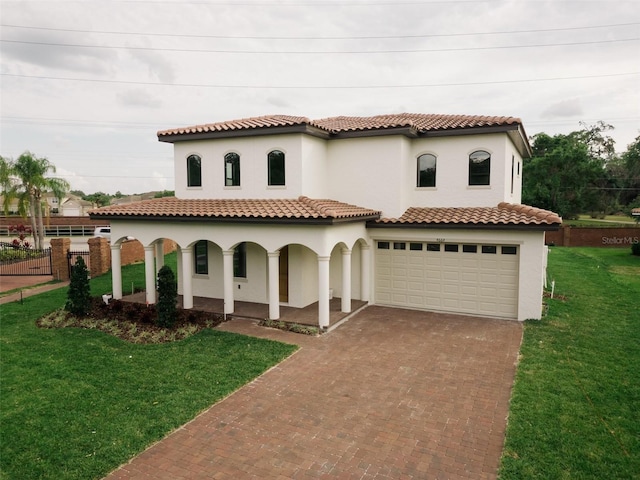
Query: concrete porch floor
[(304, 316)]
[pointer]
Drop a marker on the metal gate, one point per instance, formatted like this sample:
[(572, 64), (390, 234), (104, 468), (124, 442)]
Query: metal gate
[(72, 258), (22, 261)]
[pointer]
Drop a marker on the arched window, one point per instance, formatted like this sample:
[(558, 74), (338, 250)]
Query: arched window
[(479, 168), (232, 170), (426, 170), (194, 171), (275, 168)]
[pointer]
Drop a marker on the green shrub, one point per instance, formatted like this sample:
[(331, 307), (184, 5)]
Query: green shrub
[(79, 294), (167, 297), (635, 249)]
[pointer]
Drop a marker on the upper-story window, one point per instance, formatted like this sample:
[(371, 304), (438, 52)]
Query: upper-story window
[(194, 171), (479, 168), (275, 168), (232, 170), (426, 170)]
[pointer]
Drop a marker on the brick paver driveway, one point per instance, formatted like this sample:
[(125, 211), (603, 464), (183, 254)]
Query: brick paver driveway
[(391, 394)]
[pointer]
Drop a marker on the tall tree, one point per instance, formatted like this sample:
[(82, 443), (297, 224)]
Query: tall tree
[(29, 183), (561, 174)]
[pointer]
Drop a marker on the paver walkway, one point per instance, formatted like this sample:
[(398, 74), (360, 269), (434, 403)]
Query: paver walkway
[(391, 394)]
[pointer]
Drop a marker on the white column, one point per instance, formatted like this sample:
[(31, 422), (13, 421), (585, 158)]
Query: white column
[(365, 272), (187, 278), (274, 285), (159, 255), (346, 280), (323, 291), (150, 274), (116, 272), (227, 280)]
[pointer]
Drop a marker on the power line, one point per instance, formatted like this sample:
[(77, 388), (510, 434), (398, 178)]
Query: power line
[(373, 37), (316, 52), (316, 87)]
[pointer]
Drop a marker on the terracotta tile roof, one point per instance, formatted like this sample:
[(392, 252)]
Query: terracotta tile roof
[(420, 122), (300, 208), (266, 121), (503, 214)]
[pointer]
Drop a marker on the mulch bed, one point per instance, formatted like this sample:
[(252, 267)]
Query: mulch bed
[(133, 322)]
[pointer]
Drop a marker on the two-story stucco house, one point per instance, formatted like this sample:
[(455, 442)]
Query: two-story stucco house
[(408, 210)]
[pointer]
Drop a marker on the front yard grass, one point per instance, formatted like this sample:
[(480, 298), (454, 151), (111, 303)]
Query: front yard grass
[(575, 407), (77, 403)]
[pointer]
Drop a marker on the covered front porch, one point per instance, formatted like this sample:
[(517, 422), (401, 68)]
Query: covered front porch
[(259, 311)]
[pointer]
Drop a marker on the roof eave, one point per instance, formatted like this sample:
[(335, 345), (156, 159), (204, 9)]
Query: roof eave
[(466, 226), (245, 132), (515, 132), (236, 220)]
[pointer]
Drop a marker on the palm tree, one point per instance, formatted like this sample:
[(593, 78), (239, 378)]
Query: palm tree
[(28, 184)]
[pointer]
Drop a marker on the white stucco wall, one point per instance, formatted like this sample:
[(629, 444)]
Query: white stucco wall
[(253, 167), (373, 172)]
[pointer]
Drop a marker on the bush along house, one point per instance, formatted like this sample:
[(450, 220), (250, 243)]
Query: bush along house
[(415, 211)]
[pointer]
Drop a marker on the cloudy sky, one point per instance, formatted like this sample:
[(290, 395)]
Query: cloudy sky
[(88, 83)]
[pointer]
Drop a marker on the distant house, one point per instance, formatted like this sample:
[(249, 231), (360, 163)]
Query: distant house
[(410, 210), (68, 206), (75, 207)]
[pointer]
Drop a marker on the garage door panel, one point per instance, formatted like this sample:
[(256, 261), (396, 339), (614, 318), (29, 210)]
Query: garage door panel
[(469, 282)]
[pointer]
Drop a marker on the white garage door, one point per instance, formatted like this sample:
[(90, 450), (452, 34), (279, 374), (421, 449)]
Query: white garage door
[(451, 277)]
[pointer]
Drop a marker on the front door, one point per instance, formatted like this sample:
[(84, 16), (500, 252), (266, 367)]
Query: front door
[(284, 274)]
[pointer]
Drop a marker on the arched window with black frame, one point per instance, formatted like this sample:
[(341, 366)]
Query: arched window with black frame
[(232, 170), (194, 171), (276, 168), (480, 168), (426, 170)]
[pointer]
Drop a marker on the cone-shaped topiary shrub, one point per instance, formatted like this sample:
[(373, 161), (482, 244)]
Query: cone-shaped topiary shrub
[(635, 248), (167, 297), (79, 294)]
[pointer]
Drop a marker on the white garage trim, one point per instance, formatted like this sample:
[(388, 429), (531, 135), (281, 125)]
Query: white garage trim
[(470, 278)]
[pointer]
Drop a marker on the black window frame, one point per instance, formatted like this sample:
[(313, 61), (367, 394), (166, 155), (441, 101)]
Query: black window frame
[(201, 251), (194, 170), (479, 168), (276, 168), (232, 170), (240, 261), (383, 245), (425, 177)]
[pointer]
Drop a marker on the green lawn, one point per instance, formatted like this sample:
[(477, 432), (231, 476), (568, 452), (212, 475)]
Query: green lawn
[(575, 408), (78, 403), (609, 221)]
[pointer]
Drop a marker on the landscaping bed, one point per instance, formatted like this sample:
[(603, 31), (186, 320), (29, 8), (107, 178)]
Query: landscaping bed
[(133, 322)]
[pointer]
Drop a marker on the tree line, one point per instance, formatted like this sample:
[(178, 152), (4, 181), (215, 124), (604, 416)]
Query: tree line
[(581, 173)]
